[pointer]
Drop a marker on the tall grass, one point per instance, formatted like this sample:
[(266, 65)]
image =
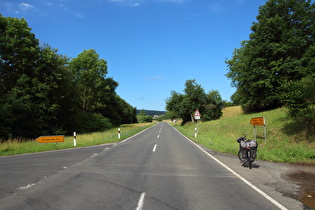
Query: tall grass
[(286, 140), (14, 147)]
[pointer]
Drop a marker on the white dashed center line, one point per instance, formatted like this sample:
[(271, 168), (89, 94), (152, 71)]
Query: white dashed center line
[(141, 201)]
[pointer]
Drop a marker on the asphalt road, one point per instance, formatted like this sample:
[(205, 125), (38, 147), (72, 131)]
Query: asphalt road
[(157, 169)]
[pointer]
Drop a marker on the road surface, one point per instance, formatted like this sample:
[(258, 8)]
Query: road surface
[(156, 169)]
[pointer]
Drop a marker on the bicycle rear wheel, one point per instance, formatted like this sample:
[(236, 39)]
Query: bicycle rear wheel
[(240, 156)]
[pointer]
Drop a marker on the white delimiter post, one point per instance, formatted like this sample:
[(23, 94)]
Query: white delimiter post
[(196, 132), (74, 139), (118, 133)]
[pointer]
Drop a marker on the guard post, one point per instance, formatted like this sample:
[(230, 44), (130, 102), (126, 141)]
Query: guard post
[(74, 139)]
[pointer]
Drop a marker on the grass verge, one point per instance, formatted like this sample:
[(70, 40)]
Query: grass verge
[(285, 141), (14, 147)]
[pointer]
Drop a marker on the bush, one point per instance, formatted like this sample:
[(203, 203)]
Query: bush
[(92, 122), (142, 117)]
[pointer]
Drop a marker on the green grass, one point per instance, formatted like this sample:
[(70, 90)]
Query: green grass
[(14, 147), (286, 141)]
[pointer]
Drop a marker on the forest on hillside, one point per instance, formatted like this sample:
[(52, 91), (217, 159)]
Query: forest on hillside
[(276, 66), (152, 112), (44, 93)]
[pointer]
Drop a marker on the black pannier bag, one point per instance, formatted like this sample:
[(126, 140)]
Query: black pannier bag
[(253, 152), (244, 153)]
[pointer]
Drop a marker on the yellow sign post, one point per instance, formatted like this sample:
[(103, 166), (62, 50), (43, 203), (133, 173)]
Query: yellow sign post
[(259, 121), (50, 139)]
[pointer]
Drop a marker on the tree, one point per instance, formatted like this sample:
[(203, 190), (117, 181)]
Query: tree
[(194, 97), (55, 92), (173, 104), (299, 98), (213, 106), (19, 53), (274, 55), (126, 111), (97, 94), (41, 94), (34, 98), (142, 117), (89, 73)]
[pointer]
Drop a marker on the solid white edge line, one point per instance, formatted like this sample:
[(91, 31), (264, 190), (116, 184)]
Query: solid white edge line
[(239, 176), (141, 201), (154, 148)]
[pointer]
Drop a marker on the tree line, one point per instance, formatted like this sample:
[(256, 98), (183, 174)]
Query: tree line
[(183, 105), (276, 66), (43, 92)]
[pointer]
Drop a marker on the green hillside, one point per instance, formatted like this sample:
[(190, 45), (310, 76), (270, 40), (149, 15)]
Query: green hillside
[(286, 141), (153, 112)]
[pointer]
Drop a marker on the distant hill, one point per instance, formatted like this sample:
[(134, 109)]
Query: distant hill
[(152, 112)]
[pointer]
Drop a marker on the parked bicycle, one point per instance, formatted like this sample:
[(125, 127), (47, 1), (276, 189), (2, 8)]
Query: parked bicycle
[(248, 151)]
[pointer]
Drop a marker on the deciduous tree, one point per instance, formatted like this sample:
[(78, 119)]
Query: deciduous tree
[(275, 53), (89, 73), (194, 97)]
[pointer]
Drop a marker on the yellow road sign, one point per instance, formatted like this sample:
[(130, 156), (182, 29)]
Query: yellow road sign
[(257, 121), (50, 139)]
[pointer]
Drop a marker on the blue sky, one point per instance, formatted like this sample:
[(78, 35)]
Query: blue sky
[(151, 46)]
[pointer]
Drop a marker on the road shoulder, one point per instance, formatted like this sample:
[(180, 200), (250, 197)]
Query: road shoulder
[(275, 179)]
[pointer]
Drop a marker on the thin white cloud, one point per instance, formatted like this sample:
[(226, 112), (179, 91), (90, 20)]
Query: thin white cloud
[(65, 8), (78, 15), (16, 8), (25, 6), (38, 9), (174, 1), (137, 3), (128, 3), (49, 4)]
